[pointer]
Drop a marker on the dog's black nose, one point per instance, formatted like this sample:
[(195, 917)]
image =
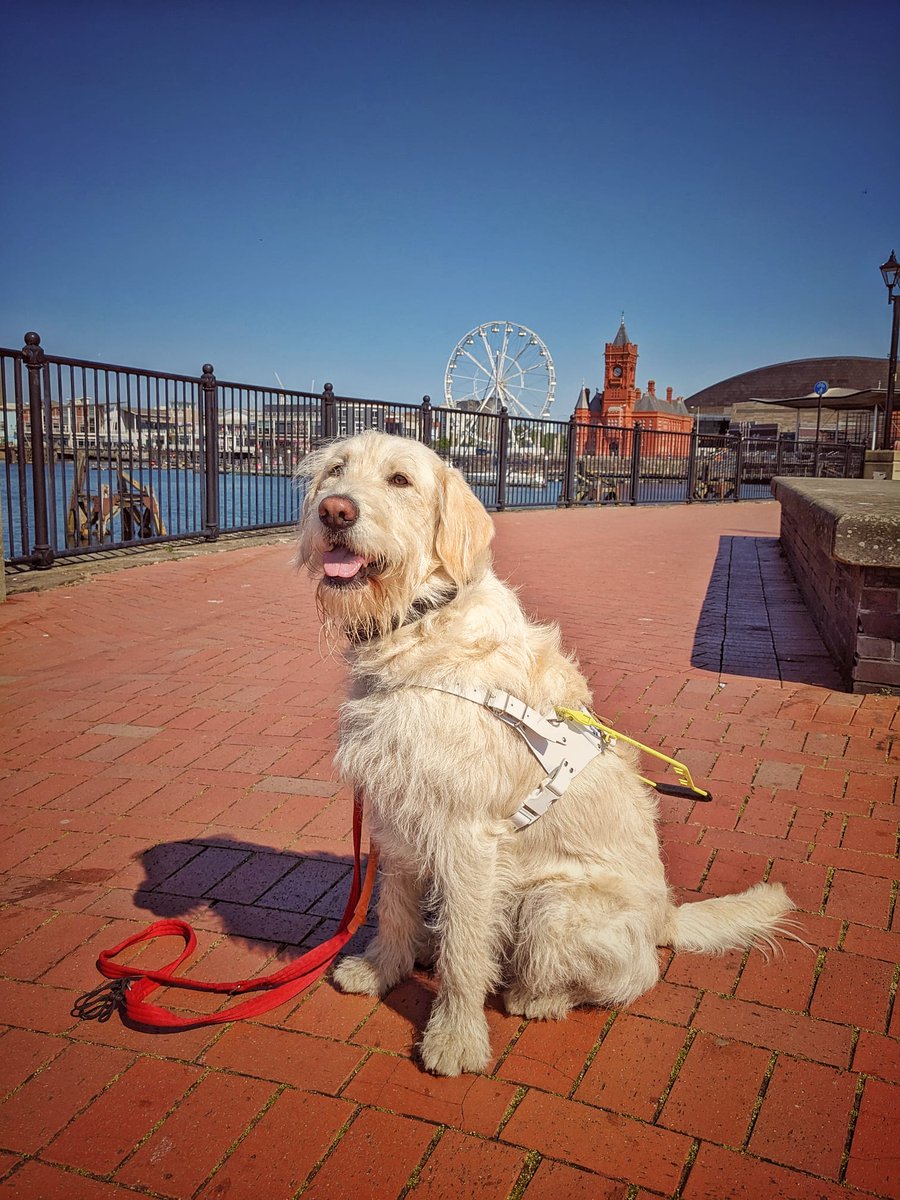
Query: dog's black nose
[(338, 512)]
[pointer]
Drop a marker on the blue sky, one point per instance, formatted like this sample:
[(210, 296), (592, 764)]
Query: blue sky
[(341, 191)]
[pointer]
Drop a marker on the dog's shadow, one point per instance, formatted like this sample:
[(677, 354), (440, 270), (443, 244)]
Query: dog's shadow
[(254, 910), (275, 905), (252, 893)]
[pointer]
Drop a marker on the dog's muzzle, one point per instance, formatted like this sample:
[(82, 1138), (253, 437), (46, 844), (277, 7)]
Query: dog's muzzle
[(342, 566)]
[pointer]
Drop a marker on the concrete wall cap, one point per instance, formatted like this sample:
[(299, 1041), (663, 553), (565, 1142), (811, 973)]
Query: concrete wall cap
[(863, 515)]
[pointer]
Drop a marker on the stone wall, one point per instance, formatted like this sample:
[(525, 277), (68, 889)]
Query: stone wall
[(842, 540)]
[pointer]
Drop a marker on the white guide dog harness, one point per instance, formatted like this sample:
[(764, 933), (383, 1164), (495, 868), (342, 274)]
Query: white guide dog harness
[(563, 748)]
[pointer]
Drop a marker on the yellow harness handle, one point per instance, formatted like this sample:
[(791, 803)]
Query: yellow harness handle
[(687, 787)]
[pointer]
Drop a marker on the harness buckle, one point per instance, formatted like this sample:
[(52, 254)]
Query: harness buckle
[(541, 799), (550, 783), (498, 703)]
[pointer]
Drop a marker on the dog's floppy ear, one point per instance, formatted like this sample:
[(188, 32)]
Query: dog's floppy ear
[(464, 529)]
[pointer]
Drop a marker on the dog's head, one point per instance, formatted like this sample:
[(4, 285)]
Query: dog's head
[(386, 525)]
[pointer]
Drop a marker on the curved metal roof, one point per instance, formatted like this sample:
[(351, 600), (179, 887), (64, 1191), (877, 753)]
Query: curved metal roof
[(792, 379)]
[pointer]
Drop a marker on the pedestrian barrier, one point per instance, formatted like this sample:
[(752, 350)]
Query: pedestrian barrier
[(95, 456)]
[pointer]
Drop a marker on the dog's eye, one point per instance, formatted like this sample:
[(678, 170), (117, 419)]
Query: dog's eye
[(337, 469), (399, 480)]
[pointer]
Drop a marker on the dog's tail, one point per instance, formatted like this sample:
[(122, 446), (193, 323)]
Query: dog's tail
[(752, 918)]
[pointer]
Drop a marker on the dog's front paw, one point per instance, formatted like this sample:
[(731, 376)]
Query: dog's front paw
[(454, 1049), (356, 975)]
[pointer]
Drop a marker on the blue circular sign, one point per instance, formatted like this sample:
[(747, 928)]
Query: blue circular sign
[(821, 388)]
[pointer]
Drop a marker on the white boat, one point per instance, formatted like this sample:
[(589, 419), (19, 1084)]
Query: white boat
[(528, 479)]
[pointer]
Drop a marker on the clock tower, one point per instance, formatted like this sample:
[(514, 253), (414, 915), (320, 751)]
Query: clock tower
[(619, 391), (604, 421)]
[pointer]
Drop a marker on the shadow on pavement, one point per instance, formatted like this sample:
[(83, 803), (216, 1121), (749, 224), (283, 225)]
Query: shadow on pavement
[(249, 892), (754, 621)]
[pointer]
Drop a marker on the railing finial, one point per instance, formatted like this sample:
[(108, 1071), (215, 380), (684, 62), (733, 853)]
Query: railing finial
[(33, 351), (329, 416)]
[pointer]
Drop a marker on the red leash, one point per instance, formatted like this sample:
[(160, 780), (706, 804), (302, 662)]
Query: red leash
[(131, 986)]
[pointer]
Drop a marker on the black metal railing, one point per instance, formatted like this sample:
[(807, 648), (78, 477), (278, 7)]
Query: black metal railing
[(96, 456)]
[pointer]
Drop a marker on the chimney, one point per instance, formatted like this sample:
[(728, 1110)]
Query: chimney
[(651, 386), (668, 395)]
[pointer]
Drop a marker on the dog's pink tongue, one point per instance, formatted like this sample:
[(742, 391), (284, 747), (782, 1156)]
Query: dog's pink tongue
[(342, 563)]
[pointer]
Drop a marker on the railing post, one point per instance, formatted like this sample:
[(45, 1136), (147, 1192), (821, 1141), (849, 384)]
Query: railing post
[(846, 460), (738, 468), (329, 413), (568, 486), (692, 466), (426, 420), (12, 549), (33, 357), (779, 446), (502, 459), (635, 463), (209, 391)]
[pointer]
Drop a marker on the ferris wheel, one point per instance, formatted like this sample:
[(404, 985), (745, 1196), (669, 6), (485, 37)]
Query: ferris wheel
[(500, 364)]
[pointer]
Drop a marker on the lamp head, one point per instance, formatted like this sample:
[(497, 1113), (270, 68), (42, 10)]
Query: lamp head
[(890, 273)]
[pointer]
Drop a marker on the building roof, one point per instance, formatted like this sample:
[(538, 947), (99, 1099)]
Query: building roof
[(622, 338), (650, 403), (792, 379), (839, 399)]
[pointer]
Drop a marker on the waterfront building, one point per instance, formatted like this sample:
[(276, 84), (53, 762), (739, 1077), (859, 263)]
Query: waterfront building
[(733, 403), (621, 406)]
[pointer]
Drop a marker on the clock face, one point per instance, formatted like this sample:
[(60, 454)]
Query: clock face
[(617, 371)]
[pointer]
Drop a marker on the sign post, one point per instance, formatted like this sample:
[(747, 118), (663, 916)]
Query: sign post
[(820, 389)]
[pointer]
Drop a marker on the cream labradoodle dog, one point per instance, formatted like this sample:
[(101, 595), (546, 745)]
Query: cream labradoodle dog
[(567, 911)]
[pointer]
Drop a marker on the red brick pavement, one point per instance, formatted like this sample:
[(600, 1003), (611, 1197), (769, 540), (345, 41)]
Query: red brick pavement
[(166, 745)]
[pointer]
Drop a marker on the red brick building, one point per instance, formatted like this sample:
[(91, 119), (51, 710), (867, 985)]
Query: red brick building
[(621, 406)]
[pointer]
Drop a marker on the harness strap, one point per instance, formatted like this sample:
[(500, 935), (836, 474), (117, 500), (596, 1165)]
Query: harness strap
[(562, 747), (132, 985), (510, 709)]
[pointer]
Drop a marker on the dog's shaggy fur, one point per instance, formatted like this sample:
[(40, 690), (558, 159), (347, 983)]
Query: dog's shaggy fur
[(568, 911)]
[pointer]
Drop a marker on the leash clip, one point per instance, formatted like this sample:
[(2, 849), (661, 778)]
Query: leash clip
[(101, 1002)]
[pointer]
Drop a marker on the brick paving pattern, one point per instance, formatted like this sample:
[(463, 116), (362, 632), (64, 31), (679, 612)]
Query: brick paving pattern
[(166, 750)]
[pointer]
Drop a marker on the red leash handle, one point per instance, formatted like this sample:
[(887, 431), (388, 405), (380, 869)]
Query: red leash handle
[(274, 989)]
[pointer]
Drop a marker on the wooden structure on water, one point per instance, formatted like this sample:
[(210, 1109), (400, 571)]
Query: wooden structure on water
[(91, 516)]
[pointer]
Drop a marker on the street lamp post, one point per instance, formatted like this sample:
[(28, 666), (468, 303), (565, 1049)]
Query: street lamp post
[(890, 273)]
